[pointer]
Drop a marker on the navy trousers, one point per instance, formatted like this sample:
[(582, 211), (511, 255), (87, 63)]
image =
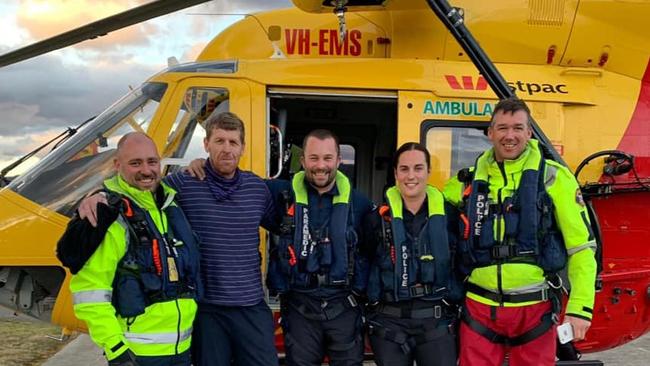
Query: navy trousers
[(182, 359), (234, 335), (437, 351)]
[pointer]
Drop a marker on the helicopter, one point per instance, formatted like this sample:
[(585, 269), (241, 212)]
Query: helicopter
[(378, 73)]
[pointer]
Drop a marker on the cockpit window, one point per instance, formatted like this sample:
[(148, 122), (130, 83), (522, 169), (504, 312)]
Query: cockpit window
[(185, 141), (453, 146), (82, 163)]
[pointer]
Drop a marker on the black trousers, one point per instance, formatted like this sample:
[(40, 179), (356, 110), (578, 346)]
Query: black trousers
[(439, 351), (234, 335), (314, 329)]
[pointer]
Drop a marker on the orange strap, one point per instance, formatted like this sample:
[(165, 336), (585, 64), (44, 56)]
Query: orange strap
[(466, 222), (129, 210), (467, 191), (156, 257), (383, 212), (291, 211)]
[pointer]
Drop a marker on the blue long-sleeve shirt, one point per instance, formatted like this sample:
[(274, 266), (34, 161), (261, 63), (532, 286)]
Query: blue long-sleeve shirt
[(228, 227)]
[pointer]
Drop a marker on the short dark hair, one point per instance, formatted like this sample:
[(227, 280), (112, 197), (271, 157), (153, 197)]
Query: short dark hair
[(410, 146), (322, 134), (225, 121), (510, 105)]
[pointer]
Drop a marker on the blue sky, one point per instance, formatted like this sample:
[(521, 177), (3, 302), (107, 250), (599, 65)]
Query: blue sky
[(40, 97)]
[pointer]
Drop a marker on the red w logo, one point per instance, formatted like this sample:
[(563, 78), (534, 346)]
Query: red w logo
[(468, 83)]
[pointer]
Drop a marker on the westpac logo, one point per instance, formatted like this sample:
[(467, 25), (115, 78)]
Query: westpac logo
[(466, 82)]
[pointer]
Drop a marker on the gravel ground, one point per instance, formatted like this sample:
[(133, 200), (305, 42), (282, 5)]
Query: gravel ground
[(27, 343)]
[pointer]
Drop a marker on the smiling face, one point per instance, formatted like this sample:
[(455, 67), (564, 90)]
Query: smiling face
[(225, 148), (320, 161), (138, 162), (411, 174), (509, 134)]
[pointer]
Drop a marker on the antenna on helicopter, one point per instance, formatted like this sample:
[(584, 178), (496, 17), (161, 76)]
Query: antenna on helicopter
[(172, 61), (339, 11)]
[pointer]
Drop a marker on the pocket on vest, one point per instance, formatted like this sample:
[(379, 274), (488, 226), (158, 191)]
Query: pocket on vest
[(554, 255), (151, 282), (129, 297), (427, 270)]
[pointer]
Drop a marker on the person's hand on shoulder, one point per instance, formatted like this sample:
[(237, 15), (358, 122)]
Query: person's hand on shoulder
[(88, 207), (196, 168)]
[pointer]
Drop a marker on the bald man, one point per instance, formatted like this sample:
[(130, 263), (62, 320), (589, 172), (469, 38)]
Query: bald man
[(137, 291)]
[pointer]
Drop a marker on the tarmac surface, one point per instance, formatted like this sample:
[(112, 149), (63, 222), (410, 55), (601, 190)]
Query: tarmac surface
[(81, 351)]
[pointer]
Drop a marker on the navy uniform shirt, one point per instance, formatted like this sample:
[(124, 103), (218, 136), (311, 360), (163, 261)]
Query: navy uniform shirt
[(320, 209)]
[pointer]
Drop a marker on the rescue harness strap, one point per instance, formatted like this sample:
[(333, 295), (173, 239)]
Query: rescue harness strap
[(407, 342), (435, 311), (329, 309), (544, 325), (415, 291), (541, 295)]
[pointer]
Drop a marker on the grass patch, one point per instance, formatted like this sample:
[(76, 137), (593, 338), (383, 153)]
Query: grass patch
[(25, 343)]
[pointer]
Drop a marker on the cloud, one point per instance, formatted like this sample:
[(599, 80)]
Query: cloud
[(18, 146), (42, 96), (17, 119), (43, 93), (193, 52), (246, 5), (44, 19)]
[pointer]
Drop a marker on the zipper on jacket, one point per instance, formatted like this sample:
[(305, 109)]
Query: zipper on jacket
[(163, 234), (502, 169), (178, 327)]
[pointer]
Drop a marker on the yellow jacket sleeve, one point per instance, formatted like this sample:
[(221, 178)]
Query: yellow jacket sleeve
[(573, 221), (92, 291), (453, 191)]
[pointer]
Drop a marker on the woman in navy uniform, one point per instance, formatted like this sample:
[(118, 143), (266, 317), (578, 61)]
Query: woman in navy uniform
[(409, 316)]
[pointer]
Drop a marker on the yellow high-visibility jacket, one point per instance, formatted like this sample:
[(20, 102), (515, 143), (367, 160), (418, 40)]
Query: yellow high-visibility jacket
[(165, 328), (571, 217)]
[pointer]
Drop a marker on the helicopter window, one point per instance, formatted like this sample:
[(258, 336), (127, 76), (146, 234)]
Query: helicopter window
[(185, 141), (82, 163), (347, 166), (453, 146)]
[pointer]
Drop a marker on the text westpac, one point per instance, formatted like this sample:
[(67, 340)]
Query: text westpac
[(322, 42), (466, 82)]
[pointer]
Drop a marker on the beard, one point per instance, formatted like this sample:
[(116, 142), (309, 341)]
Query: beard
[(331, 175)]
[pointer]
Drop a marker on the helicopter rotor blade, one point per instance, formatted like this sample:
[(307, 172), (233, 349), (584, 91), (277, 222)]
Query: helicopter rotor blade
[(98, 28)]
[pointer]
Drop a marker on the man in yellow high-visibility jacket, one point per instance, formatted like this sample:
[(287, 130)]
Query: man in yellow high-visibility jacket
[(523, 220), (137, 291)]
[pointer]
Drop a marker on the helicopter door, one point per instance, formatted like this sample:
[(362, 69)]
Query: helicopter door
[(194, 100), (363, 120)]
